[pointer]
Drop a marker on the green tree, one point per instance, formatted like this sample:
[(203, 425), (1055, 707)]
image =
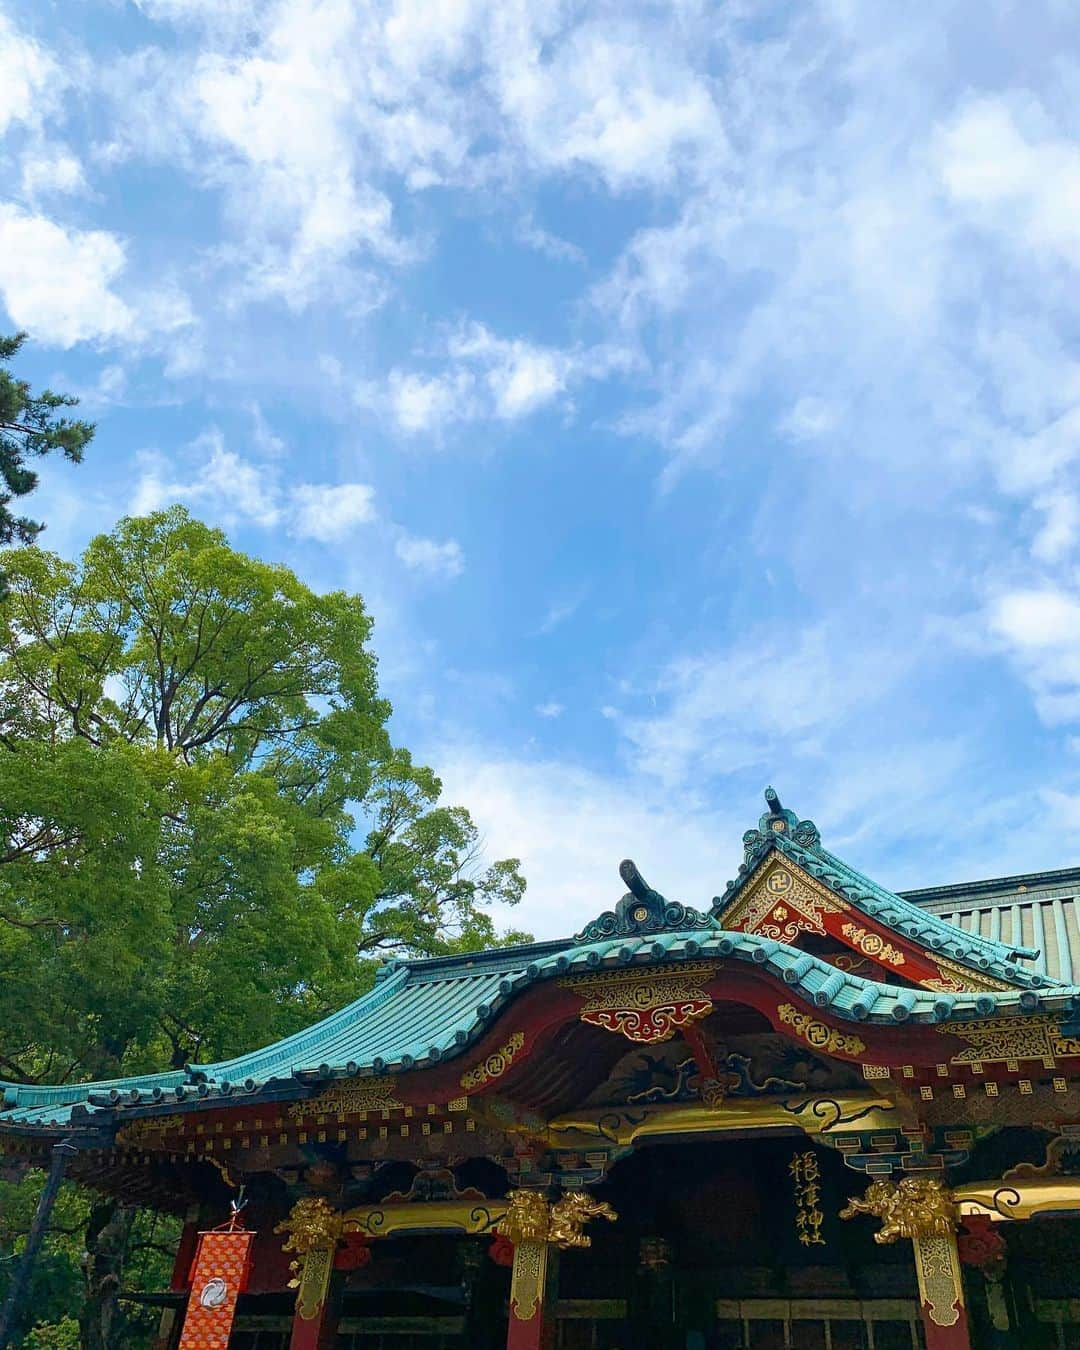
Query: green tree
[(207, 837), (28, 427)]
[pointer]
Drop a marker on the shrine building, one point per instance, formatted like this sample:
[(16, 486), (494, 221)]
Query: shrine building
[(815, 1114)]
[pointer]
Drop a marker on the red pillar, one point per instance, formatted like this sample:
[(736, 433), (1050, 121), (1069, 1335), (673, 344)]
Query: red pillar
[(532, 1297), (941, 1293), (316, 1316)]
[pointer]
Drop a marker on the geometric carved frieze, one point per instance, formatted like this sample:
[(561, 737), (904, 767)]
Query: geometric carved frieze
[(1000, 1039), (350, 1097)]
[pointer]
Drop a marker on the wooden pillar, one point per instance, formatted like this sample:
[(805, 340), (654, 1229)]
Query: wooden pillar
[(923, 1209), (941, 1293), (316, 1316), (538, 1231), (532, 1296)]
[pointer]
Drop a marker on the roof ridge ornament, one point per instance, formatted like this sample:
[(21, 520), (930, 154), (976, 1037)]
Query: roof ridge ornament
[(641, 911), (777, 820)]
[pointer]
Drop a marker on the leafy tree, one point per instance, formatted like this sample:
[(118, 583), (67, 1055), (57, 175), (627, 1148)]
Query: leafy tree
[(29, 426), (188, 737), (207, 838)]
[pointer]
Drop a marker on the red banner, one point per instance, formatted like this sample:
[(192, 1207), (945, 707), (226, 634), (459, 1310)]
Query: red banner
[(217, 1281)]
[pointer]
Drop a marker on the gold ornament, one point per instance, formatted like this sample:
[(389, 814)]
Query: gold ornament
[(873, 944), (526, 1218), (646, 1008), (495, 1065), (312, 1225), (529, 1218), (819, 1034), (569, 1216), (1003, 1038), (352, 1097), (916, 1207)]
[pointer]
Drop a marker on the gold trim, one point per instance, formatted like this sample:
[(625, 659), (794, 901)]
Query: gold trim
[(937, 1264), (957, 979), (351, 1097), (819, 1034), (873, 944), (818, 1115), (314, 1282), (446, 1216), (644, 1006), (1019, 1200), (495, 1065), (527, 1279), (807, 897), (140, 1131), (999, 1039)]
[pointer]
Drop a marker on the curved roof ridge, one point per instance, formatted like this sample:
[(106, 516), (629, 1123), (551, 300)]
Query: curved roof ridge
[(906, 917), (421, 1022)]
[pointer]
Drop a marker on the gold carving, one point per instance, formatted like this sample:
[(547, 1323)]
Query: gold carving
[(528, 1279), (529, 1218), (806, 1184), (311, 1225), (495, 1065), (916, 1207), (937, 1265), (872, 944), (429, 1216), (644, 1007), (1004, 1038), (819, 1034), (957, 979), (314, 1282), (570, 1214), (149, 1128), (781, 903), (351, 1097)]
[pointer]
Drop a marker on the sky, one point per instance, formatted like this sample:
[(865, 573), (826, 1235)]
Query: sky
[(691, 390)]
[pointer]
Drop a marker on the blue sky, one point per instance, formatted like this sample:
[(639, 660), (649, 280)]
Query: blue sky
[(691, 389)]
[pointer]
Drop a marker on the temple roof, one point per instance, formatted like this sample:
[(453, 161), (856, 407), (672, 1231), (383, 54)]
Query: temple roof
[(780, 830), (421, 1013)]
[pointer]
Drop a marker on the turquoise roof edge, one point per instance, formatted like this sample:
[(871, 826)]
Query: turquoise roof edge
[(427, 1011), (800, 841)]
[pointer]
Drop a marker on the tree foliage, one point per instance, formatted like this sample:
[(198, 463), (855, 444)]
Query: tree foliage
[(207, 840), (207, 834), (29, 426)]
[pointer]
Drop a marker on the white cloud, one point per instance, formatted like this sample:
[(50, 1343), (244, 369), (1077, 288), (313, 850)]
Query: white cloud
[(32, 78), (422, 404), (233, 488), (551, 709), (57, 283), (1041, 630), (425, 555), (1026, 186), (606, 99), (521, 376), (329, 511), (571, 828), (776, 693), (1037, 619), (51, 170)]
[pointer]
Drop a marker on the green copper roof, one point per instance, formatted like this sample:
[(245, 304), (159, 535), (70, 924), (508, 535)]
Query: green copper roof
[(780, 830), (422, 1012)]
